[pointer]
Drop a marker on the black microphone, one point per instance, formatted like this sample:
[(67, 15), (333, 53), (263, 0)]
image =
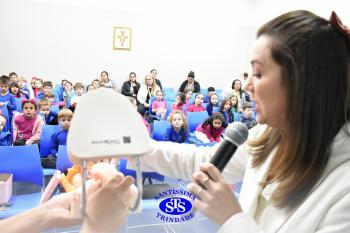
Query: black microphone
[(235, 134)]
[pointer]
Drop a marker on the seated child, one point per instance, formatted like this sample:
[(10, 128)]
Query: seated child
[(78, 90), (5, 135), (159, 105), (234, 103), (226, 110), (211, 90), (22, 82), (178, 130), (188, 95), (197, 106), (47, 87), (213, 127), (49, 117), (15, 90), (180, 102), (6, 98), (213, 102), (247, 118), (27, 125), (58, 138), (68, 93)]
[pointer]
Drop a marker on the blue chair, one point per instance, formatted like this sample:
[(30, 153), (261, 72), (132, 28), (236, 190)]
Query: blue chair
[(55, 108), (237, 116), (204, 91), (168, 108), (159, 129), (216, 109), (18, 104), (196, 118), (63, 162), (5, 113), (24, 163), (46, 134)]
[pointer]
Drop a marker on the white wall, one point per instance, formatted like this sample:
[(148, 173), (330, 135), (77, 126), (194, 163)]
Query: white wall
[(56, 39)]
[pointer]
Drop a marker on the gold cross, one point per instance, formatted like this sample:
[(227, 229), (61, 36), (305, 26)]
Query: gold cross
[(122, 37)]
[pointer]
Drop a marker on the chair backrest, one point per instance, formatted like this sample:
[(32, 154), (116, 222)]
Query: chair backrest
[(63, 162), (196, 118), (159, 129), (216, 109), (237, 116), (18, 104), (5, 113), (46, 134), (23, 162)]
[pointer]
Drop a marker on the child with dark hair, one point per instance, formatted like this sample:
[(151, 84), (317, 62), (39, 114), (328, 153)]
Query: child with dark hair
[(68, 93), (13, 77), (47, 87), (247, 118), (180, 102), (226, 110), (178, 130), (58, 138), (197, 106), (6, 98), (211, 90), (213, 127), (5, 135), (15, 90), (27, 125), (213, 102)]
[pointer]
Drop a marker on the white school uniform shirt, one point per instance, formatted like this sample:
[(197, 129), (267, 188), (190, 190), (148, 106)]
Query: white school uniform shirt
[(325, 210)]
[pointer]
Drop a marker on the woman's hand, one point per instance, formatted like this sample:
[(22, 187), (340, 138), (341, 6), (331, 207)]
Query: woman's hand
[(216, 199)]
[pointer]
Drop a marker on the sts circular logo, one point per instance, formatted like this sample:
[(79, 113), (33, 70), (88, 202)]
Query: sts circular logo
[(175, 205)]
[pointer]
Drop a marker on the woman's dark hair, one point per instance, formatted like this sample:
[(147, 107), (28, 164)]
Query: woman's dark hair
[(224, 101), (212, 118), (240, 89), (132, 73), (314, 59), (182, 98), (105, 73)]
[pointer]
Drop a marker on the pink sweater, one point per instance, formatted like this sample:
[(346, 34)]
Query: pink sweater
[(28, 129), (156, 105), (212, 134), (195, 108)]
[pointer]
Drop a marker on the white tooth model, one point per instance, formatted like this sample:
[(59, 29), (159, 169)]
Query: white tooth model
[(106, 125)]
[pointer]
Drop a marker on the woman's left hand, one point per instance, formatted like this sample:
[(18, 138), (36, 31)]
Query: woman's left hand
[(216, 199)]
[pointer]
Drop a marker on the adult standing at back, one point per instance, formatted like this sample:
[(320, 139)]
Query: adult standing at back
[(146, 91), (107, 82), (131, 87), (190, 84)]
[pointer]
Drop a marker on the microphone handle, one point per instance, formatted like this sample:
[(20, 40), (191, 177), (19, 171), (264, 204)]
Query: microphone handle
[(223, 155)]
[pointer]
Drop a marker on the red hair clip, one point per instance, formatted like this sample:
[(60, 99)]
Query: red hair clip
[(335, 21)]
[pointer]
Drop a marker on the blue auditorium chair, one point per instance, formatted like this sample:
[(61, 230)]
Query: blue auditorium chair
[(196, 118)]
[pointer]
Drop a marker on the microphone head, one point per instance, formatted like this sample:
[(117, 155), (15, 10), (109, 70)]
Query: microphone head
[(236, 133)]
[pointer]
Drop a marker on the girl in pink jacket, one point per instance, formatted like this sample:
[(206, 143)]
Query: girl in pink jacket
[(213, 127)]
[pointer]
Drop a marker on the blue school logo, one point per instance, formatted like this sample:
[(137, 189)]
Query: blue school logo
[(175, 205)]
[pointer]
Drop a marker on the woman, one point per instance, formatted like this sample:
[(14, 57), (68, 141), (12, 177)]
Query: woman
[(295, 165), (107, 82), (146, 91), (190, 84), (131, 87)]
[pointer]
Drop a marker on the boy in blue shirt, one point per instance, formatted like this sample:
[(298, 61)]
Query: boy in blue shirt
[(58, 138), (6, 98)]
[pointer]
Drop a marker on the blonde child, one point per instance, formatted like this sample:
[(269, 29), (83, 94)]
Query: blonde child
[(58, 138), (159, 106), (27, 125), (213, 127), (197, 106), (178, 130), (49, 117)]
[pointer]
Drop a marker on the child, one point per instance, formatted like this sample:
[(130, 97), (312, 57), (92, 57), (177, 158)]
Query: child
[(188, 95), (47, 87), (6, 98), (159, 105), (51, 98), (22, 82), (197, 106), (49, 117), (180, 102), (79, 90), (68, 93), (213, 102), (247, 118), (27, 125), (37, 86), (58, 138), (226, 110), (234, 103), (213, 127), (5, 135), (15, 90), (96, 83), (61, 90), (211, 90), (134, 103), (13, 77), (178, 130)]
